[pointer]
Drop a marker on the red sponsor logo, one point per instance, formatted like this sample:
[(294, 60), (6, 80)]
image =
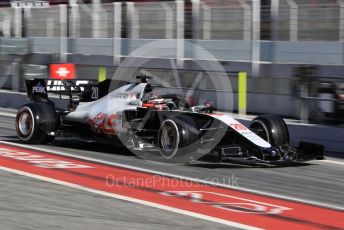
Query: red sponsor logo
[(217, 114), (238, 126), (104, 123), (62, 71)]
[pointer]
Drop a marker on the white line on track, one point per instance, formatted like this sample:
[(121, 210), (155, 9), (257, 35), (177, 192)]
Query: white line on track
[(177, 176), (138, 201), (334, 162), (7, 114)]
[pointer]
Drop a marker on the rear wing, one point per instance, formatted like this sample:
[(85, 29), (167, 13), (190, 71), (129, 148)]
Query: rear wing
[(87, 90), (36, 89)]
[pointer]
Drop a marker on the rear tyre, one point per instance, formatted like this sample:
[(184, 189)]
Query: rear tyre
[(271, 128), (34, 122)]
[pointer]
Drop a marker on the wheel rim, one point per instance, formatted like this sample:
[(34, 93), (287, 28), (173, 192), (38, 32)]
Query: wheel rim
[(25, 124), (261, 130), (168, 138)]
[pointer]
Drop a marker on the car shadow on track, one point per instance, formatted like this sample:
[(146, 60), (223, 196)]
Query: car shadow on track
[(122, 150), (12, 138), (104, 148), (92, 146), (211, 165), (79, 145)]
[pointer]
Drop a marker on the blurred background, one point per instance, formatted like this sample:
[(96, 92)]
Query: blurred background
[(291, 50)]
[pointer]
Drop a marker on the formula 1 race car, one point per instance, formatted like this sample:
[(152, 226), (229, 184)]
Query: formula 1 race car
[(163, 128)]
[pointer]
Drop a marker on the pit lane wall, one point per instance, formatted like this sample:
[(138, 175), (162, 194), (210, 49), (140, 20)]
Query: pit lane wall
[(331, 137)]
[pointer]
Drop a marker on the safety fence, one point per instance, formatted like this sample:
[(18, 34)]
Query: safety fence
[(286, 20), (299, 20)]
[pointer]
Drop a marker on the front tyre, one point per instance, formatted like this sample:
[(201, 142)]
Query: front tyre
[(271, 128), (34, 122)]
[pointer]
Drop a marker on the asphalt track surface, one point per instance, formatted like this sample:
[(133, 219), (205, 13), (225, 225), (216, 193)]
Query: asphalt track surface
[(33, 204), (28, 203)]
